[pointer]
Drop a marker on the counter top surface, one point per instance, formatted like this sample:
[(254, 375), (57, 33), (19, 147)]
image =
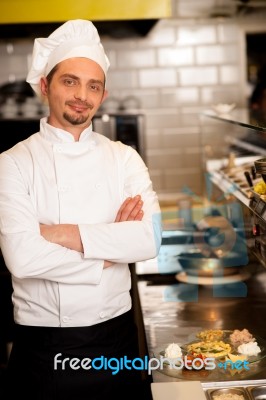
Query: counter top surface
[(254, 119), (175, 312)]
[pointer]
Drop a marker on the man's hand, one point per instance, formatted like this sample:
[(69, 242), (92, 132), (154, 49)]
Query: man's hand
[(131, 210)]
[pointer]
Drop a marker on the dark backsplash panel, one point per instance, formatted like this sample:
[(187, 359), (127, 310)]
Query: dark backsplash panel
[(13, 131)]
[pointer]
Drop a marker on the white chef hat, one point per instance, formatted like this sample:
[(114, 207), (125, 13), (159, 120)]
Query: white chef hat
[(75, 38)]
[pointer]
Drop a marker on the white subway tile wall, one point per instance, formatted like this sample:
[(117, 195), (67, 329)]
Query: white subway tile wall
[(216, 54), (162, 35), (196, 34), (157, 77), (117, 78), (180, 68), (198, 76), (229, 74), (136, 58), (227, 33), (222, 94), (179, 96), (171, 56)]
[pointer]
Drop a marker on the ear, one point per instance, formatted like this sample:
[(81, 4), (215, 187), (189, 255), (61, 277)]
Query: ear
[(44, 86)]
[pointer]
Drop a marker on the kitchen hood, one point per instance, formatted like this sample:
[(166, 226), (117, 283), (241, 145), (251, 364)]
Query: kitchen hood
[(116, 18), (118, 29)]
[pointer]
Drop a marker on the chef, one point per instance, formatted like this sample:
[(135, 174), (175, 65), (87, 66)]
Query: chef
[(75, 210)]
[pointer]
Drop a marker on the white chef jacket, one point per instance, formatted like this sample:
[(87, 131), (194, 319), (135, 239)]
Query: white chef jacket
[(49, 178)]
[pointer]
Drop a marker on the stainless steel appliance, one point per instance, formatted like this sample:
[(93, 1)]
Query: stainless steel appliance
[(126, 127)]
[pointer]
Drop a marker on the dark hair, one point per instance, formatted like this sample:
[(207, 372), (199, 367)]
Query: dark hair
[(51, 74)]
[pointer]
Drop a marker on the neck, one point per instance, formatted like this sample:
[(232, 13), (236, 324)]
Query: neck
[(74, 130)]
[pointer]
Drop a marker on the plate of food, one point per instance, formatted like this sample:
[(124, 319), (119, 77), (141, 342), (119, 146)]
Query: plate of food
[(214, 353), (214, 349), (220, 344)]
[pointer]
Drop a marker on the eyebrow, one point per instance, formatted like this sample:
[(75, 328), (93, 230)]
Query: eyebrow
[(98, 81)]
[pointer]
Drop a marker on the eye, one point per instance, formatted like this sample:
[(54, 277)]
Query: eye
[(94, 87), (69, 82)]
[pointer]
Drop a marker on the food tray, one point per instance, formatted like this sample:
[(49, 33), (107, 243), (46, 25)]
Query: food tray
[(249, 390), (257, 392), (240, 391)]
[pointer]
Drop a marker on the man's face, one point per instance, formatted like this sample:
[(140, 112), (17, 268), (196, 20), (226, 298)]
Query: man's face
[(74, 94)]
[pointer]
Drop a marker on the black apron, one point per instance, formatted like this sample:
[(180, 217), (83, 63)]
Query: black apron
[(32, 372)]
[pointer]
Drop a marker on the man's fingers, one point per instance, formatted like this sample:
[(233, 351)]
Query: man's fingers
[(139, 216), (135, 211), (119, 213), (129, 209)]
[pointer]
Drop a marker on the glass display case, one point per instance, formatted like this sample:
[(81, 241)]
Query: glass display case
[(231, 145)]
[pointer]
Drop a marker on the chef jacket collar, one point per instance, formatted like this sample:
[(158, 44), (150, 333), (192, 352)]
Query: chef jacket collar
[(58, 135)]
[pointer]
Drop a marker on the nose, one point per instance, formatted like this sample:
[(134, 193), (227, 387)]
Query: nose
[(81, 93)]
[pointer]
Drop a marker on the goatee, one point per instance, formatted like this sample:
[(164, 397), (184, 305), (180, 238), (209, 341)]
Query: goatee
[(75, 120)]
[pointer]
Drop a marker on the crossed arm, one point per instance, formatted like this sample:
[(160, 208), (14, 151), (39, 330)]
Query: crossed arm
[(68, 235)]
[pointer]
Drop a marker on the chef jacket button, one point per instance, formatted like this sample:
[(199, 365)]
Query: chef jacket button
[(65, 319), (58, 149), (97, 185), (102, 314), (62, 188)]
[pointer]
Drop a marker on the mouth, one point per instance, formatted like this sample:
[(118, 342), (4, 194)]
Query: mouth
[(79, 108)]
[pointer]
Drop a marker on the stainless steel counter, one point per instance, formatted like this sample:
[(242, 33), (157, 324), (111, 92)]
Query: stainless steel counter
[(174, 312)]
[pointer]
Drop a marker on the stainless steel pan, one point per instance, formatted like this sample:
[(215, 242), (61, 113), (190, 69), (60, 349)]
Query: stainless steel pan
[(194, 262)]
